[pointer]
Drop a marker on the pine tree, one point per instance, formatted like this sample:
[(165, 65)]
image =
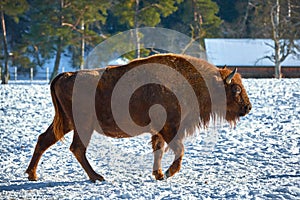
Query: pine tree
[(196, 18), (88, 16), (64, 23), (139, 13), (13, 9)]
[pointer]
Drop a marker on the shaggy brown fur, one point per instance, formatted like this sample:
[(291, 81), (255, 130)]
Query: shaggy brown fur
[(83, 103)]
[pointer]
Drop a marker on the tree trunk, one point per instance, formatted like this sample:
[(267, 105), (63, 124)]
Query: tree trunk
[(277, 60), (278, 74), (57, 59), (136, 30), (277, 44), (197, 19), (59, 46), (276, 38), (5, 74), (289, 10), (82, 46)]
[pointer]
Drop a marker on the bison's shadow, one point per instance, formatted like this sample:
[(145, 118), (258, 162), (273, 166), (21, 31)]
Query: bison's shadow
[(27, 185)]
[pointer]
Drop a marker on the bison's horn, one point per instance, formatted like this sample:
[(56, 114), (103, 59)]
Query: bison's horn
[(230, 76)]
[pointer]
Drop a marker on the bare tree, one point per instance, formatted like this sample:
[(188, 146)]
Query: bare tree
[(284, 32), (275, 11), (245, 19)]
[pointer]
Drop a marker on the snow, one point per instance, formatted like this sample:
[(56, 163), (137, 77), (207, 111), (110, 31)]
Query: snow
[(259, 159)]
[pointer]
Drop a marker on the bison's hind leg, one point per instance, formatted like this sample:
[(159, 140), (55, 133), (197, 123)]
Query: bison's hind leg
[(45, 140), (177, 146), (158, 150), (78, 148)]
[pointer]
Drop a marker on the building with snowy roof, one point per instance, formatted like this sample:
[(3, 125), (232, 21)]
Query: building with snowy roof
[(248, 55)]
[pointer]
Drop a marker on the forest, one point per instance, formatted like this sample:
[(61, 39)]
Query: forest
[(34, 31)]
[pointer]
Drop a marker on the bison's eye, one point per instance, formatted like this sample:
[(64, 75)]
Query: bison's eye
[(236, 89)]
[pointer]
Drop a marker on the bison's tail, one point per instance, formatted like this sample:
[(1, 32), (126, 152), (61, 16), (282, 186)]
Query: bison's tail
[(58, 122)]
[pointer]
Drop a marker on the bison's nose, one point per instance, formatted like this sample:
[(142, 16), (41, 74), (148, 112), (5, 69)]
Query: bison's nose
[(248, 108)]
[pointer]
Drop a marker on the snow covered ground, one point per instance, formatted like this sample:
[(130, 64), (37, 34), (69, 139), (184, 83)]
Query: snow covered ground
[(259, 159)]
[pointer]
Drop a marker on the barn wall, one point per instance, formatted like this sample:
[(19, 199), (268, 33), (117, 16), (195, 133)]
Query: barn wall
[(267, 72)]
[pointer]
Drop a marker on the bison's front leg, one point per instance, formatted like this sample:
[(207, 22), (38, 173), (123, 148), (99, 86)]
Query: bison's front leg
[(178, 149), (158, 149), (79, 150)]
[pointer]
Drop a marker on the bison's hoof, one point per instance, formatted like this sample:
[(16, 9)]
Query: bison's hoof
[(31, 175), (32, 178), (97, 178), (158, 175), (167, 174)]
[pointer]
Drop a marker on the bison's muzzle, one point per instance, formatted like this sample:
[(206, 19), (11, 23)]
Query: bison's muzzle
[(246, 110)]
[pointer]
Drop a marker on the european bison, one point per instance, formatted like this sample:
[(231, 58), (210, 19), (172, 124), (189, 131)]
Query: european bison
[(191, 91)]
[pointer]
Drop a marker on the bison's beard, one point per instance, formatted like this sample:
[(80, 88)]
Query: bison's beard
[(232, 117)]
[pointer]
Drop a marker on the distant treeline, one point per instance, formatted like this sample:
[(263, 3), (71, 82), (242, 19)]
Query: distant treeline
[(35, 31)]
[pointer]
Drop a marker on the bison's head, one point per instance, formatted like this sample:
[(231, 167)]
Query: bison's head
[(238, 103)]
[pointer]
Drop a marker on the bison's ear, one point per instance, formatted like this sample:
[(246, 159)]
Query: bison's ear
[(224, 67)]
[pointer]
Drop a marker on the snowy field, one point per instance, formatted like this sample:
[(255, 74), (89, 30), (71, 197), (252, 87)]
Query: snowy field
[(259, 159)]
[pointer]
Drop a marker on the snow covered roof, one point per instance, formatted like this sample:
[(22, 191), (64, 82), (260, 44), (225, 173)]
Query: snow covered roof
[(243, 52)]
